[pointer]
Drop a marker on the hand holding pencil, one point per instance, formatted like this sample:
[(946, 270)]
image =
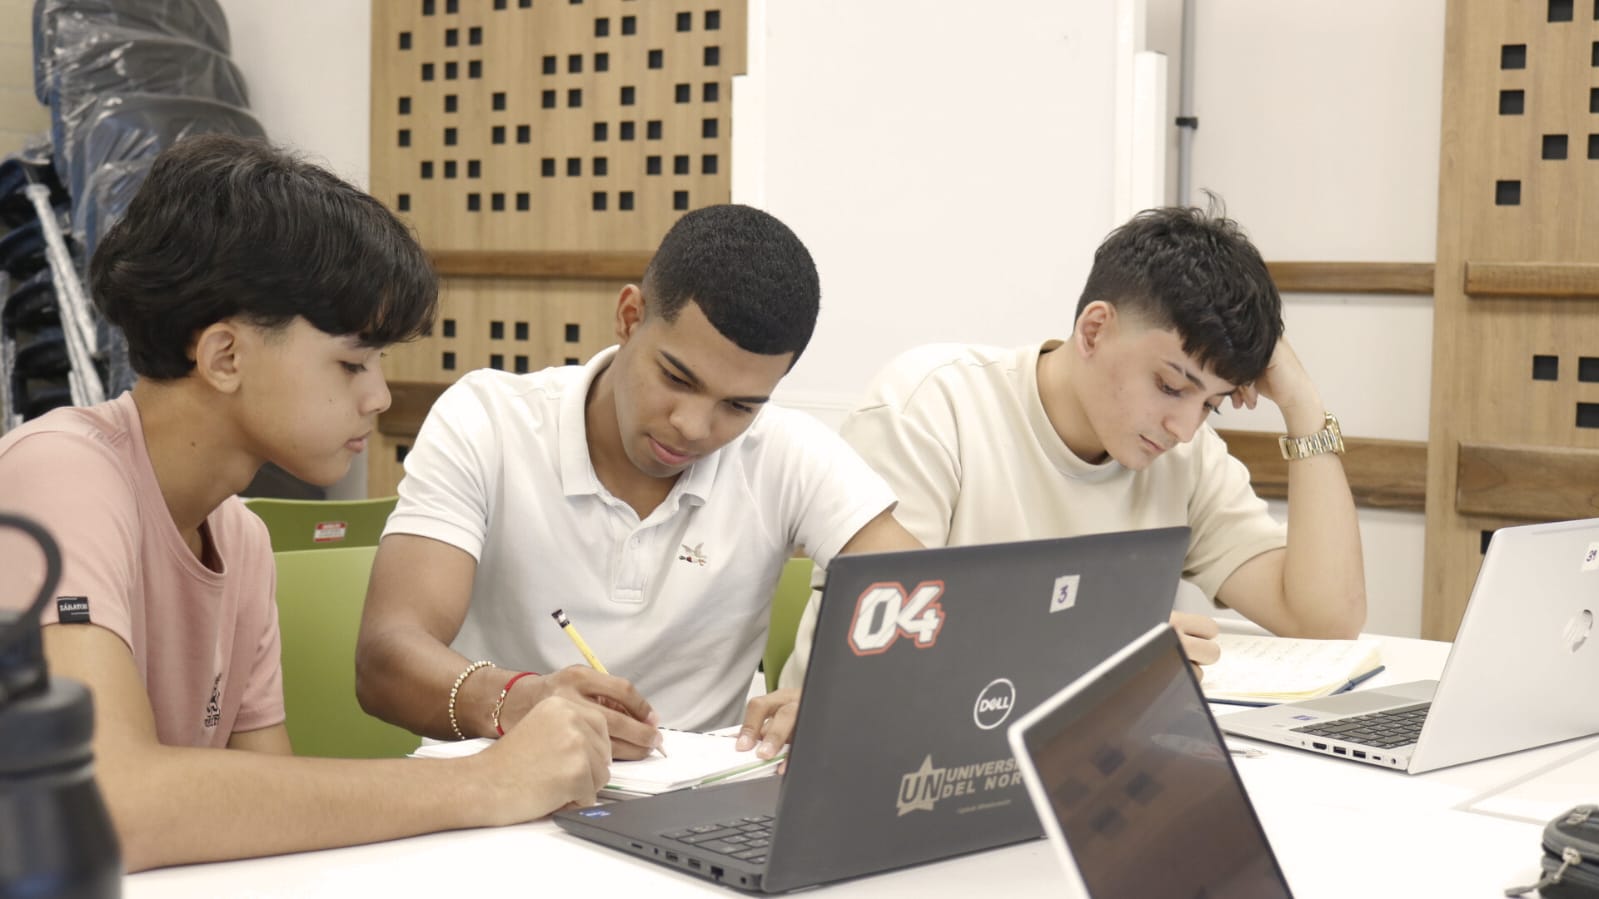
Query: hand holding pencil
[(616, 708)]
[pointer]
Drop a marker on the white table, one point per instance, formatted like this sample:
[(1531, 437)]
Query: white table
[(1340, 829)]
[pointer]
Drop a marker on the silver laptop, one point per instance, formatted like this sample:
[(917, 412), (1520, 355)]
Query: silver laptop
[(899, 754), (1518, 675), (1135, 788)]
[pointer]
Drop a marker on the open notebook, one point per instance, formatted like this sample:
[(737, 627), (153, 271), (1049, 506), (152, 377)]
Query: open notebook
[(1265, 670), (691, 760)]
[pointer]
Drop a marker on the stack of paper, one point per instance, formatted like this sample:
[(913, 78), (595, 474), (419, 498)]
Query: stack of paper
[(1263, 670), (691, 760)]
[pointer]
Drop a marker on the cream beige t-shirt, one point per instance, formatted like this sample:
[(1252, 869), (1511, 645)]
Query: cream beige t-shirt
[(205, 642), (960, 434)]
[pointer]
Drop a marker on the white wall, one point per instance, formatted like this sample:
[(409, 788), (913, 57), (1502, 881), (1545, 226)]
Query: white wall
[(1319, 126), (946, 164), (308, 65), (952, 173)]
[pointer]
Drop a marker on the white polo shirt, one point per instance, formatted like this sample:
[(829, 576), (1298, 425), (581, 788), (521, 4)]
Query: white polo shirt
[(677, 603)]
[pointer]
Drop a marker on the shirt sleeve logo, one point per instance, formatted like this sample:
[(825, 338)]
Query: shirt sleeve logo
[(72, 609)]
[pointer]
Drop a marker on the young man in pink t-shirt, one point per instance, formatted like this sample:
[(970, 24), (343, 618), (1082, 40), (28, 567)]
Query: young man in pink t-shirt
[(256, 292)]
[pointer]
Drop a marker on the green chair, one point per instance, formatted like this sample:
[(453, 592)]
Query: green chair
[(297, 524), (788, 604), (320, 595)]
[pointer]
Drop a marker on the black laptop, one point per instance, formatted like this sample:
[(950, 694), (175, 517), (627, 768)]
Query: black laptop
[(899, 754)]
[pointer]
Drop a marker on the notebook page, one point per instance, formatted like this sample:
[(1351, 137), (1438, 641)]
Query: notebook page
[(1264, 667), (691, 759)]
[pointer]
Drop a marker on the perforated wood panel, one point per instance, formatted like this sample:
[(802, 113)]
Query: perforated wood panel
[(517, 135), (1519, 183), (511, 324), (552, 125)]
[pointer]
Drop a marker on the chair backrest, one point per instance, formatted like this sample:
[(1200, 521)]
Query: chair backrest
[(788, 604), (297, 524), (320, 594)]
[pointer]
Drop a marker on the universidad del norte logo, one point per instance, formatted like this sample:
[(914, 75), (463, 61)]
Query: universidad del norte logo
[(921, 790)]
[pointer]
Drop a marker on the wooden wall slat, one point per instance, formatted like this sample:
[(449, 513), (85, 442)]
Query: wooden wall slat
[(1573, 280), (1383, 474), (1535, 483), (600, 266), (1352, 277)]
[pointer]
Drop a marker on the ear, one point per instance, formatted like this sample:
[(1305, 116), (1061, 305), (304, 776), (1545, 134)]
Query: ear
[(629, 312), (217, 355), (1098, 323)]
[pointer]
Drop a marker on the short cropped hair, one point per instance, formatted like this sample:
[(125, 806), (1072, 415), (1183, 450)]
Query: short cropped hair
[(748, 273), (1193, 270), (227, 227)]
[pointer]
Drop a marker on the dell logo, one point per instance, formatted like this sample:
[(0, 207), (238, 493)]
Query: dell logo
[(1577, 630), (994, 704)]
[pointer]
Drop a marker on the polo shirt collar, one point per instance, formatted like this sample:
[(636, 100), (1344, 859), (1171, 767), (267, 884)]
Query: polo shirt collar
[(578, 477)]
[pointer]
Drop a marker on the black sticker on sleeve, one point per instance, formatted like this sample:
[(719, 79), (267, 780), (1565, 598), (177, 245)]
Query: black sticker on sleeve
[(72, 609)]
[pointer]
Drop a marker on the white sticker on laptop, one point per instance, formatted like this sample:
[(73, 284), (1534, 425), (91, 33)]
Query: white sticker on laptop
[(1065, 595), (1590, 560)]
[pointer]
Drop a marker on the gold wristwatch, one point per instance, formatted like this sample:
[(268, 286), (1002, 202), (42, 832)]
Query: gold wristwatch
[(1327, 440)]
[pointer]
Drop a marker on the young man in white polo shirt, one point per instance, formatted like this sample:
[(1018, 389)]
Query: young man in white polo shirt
[(1107, 431), (653, 494)]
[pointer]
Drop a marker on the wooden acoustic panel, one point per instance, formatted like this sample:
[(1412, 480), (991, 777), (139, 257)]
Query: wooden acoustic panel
[(513, 324), (515, 125), (1518, 194)]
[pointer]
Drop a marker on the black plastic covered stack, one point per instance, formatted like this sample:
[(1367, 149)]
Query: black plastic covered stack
[(124, 79)]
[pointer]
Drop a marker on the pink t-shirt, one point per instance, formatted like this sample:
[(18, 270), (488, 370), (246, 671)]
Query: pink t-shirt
[(205, 642)]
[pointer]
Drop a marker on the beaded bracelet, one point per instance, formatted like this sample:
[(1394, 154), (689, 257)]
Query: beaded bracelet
[(455, 689), (499, 704)]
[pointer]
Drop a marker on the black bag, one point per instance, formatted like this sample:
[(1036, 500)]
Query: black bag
[(1570, 857)]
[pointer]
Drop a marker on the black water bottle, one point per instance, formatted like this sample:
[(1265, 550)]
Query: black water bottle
[(56, 839)]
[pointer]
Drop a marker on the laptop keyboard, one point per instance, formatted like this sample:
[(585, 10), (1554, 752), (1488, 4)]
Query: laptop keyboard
[(743, 838), (1384, 730)]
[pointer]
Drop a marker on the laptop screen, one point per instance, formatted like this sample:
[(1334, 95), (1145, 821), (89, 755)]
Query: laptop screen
[(1142, 787)]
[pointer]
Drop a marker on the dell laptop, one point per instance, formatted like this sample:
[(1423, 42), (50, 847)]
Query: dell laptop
[(899, 754), (1135, 787), (1515, 677)]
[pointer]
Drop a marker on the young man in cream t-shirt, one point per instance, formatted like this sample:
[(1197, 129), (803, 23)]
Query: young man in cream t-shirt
[(1107, 431)]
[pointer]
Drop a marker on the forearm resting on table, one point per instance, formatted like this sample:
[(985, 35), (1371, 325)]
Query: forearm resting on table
[(176, 805)]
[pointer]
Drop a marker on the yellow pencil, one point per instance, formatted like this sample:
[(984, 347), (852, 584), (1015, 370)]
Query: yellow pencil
[(588, 654), (571, 631)]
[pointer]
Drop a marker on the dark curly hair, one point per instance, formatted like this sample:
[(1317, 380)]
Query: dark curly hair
[(749, 274), (1193, 270)]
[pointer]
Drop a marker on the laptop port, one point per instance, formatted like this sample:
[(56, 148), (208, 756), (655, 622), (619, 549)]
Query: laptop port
[(716, 872), (1321, 746), (1340, 750), (638, 846), (694, 863), (671, 856), (1359, 754)]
